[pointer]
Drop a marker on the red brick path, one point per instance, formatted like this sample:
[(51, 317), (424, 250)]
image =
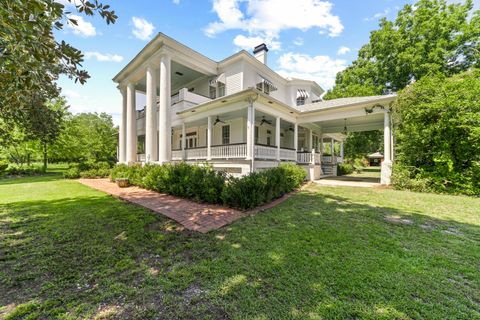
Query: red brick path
[(192, 215)]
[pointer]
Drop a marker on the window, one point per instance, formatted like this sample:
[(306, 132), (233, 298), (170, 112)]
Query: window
[(213, 92), (221, 89), (256, 134), (226, 134), (141, 144), (300, 101), (264, 87)]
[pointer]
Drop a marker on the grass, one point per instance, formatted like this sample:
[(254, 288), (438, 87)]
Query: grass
[(69, 252)]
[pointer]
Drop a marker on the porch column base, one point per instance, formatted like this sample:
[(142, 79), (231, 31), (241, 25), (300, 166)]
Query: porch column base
[(386, 173)]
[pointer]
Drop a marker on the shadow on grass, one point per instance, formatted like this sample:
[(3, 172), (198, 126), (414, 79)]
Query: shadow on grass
[(46, 177), (312, 256)]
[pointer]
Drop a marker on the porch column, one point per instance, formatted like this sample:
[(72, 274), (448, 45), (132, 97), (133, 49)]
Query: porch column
[(122, 134), (209, 138), (150, 117), (321, 145), (277, 137), (295, 137), (184, 141), (250, 131), (332, 149), (387, 158), (131, 139), (164, 111), (341, 149), (310, 139)]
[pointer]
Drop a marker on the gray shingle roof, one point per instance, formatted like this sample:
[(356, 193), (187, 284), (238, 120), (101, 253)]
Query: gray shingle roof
[(343, 102)]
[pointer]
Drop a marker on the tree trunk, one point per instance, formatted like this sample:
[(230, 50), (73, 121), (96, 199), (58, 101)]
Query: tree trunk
[(45, 156)]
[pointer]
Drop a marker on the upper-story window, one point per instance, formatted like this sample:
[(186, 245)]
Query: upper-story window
[(221, 89), (226, 134), (217, 86), (212, 92), (265, 85), (302, 96)]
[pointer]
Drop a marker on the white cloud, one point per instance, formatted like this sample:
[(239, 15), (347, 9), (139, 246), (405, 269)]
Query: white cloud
[(321, 69), (248, 43), (298, 41), (343, 50), (103, 57), (142, 29), (83, 28), (176, 1), (378, 15), (70, 94), (267, 18)]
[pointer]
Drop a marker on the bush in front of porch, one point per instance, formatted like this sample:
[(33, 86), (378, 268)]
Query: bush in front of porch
[(204, 184)]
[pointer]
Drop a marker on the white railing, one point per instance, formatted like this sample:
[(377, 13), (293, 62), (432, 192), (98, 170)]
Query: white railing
[(304, 157), (339, 159), (196, 153), (287, 154), (177, 154), (229, 151), (265, 152), (141, 157)]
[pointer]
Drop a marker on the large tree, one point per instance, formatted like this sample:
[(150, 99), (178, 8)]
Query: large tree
[(86, 136), (428, 37), (31, 59)]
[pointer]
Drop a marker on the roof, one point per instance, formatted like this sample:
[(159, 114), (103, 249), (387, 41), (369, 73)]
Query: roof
[(343, 102), (375, 155)]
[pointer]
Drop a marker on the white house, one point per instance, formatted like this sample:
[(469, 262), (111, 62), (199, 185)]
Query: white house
[(236, 114)]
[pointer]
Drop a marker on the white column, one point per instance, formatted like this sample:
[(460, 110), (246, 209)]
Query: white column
[(341, 149), (277, 137), (250, 131), (310, 140), (150, 117), (295, 137), (184, 141), (131, 140), (387, 152), (209, 138), (332, 150), (164, 111), (122, 134), (321, 146), (387, 139)]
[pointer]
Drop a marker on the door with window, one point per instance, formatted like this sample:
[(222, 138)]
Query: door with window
[(190, 140), (226, 134)]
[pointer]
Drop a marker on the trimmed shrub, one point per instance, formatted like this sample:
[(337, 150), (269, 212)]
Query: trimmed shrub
[(344, 168), (258, 188), (18, 170), (88, 169), (71, 173)]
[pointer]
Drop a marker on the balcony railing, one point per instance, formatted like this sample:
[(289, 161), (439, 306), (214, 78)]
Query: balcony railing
[(229, 151), (332, 159), (288, 154), (177, 154)]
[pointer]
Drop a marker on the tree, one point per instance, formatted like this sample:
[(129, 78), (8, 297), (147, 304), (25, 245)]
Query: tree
[(426, 38), (438, 134), (361, 144), (45, 124), (31, 59), (86, 136)]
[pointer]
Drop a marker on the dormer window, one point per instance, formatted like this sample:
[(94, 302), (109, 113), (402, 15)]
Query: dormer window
[(265, 86), (302, 96), (217, 86)]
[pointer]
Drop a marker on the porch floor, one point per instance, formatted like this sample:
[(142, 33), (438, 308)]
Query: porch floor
[(192, 215)]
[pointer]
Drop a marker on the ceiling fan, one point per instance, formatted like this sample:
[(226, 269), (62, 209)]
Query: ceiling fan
[(218, 121), (265, 121)]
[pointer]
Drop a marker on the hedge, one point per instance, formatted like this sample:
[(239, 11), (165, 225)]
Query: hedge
[(204, 184), (88, 169)]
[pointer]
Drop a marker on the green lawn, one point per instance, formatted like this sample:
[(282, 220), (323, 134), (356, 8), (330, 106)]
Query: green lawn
[(69, 252)]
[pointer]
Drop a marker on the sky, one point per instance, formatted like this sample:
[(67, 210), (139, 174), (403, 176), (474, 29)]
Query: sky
[(308, 39)]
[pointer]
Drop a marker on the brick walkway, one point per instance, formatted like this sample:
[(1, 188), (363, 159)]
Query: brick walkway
[(192, 215)]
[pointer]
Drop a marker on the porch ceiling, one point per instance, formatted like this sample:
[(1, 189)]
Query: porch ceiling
[(181, 76), (369, 122)]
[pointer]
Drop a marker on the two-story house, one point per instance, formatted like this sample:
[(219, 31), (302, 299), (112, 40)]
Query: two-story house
[(236, 114)]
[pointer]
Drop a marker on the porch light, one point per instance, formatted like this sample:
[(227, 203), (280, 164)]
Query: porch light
[(345, 131)]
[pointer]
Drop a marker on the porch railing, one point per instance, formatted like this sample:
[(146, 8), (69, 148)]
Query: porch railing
[(177, 154), (141, 157), (229, 151), (265, 152), (288, 154), (308, 157), (196, 153)]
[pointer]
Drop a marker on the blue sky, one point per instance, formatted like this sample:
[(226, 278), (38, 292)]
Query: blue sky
[(311, 39)]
